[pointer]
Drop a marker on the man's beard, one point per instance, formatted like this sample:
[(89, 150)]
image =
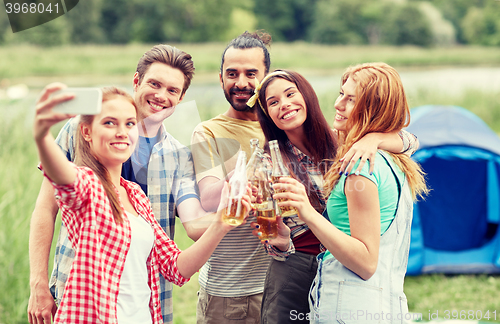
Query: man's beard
[(238, 105)]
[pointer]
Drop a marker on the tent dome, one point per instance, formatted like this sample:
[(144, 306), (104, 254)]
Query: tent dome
[(454, 229)]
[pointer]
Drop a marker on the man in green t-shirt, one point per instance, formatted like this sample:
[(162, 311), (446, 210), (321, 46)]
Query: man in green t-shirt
[(233, 278)]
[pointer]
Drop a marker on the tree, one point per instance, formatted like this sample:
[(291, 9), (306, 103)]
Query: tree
[(285, 20), (407, 25), (4, 25), (148, 17), (52, 33), (364, 21), (443, 31), (492, 17), (115, 21), (205, 20), (179, 20), (84, 22), (338, 22), (455, 11), (481, 26)]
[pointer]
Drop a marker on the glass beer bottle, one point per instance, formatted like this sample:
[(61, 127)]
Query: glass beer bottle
[(267, 208), (279, 171), (254, 162), (254, 149), (234, 213)]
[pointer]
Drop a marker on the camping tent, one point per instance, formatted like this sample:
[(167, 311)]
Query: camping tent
[(454, 229)]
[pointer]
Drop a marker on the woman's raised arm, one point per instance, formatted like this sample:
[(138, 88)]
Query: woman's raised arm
[(54, 163)]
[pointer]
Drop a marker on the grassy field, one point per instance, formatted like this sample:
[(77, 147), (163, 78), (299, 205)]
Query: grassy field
[(104, 62), (20, 180)]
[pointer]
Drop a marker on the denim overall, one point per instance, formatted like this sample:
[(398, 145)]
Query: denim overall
[(338, 295)]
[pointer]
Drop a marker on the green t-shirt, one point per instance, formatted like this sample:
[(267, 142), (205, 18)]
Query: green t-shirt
[(387, 193), (215, 144)]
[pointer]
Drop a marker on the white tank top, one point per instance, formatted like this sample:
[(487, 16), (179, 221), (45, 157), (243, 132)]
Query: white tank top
[(134, 292)]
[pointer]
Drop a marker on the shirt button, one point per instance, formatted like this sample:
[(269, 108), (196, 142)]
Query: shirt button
[(57, 197)]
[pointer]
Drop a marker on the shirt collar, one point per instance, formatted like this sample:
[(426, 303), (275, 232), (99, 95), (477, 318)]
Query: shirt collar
[(133, 190), (298, 153)]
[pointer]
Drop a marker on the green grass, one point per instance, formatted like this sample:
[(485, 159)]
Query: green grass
[(93, 61), (18, 191), (185, 297), (439, 293)]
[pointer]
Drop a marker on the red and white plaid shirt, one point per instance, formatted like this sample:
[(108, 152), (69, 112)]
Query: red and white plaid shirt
[(91, 292)]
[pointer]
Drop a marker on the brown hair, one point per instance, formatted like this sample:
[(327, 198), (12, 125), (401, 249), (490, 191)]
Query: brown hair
[(171, 56), (380, 106), (250, 40), (85, 157), (319, 137)]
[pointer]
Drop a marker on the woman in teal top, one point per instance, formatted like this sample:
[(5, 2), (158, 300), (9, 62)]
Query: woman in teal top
[(387, 187), (386, 183), (367, 239)]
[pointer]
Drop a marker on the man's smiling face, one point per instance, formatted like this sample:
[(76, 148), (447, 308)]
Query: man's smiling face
[(159, 91), (240, 70)]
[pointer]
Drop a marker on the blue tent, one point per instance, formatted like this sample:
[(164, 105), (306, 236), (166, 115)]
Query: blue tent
[(455, 229)]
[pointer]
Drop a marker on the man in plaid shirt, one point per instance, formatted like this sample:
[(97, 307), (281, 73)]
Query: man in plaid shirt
[(161, 165)]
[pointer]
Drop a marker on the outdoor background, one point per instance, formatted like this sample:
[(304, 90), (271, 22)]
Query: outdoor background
[(447, 52)]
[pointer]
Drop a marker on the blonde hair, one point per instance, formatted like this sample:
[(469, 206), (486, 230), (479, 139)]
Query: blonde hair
[(85, 157), (380, 106)]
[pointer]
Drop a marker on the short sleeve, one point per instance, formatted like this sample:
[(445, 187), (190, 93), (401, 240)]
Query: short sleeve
[(71, 198), (410, 142), (206, 158), (365, 171), (187, 186), (66, 138)]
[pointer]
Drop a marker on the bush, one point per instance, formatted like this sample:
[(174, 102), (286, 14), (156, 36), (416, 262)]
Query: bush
[(482, 26), (363, 22)]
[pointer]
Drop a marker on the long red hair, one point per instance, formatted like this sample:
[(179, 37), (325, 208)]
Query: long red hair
[(381, 106)]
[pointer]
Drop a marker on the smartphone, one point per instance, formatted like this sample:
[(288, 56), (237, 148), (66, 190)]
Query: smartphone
[(87, 101)]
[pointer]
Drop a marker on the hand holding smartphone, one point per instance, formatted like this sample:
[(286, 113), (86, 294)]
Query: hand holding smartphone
[(87, 101)]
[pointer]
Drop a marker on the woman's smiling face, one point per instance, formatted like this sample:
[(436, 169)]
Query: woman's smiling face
[(344, 105), (285, 105), (113, 133)]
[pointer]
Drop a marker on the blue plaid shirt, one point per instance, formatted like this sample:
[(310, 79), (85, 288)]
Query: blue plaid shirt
[(170, 180)]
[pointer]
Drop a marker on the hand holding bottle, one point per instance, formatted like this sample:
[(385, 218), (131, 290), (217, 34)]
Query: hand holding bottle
[(279, 172), (282, 239), (292, 194), (234, 211), (245, 203)]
